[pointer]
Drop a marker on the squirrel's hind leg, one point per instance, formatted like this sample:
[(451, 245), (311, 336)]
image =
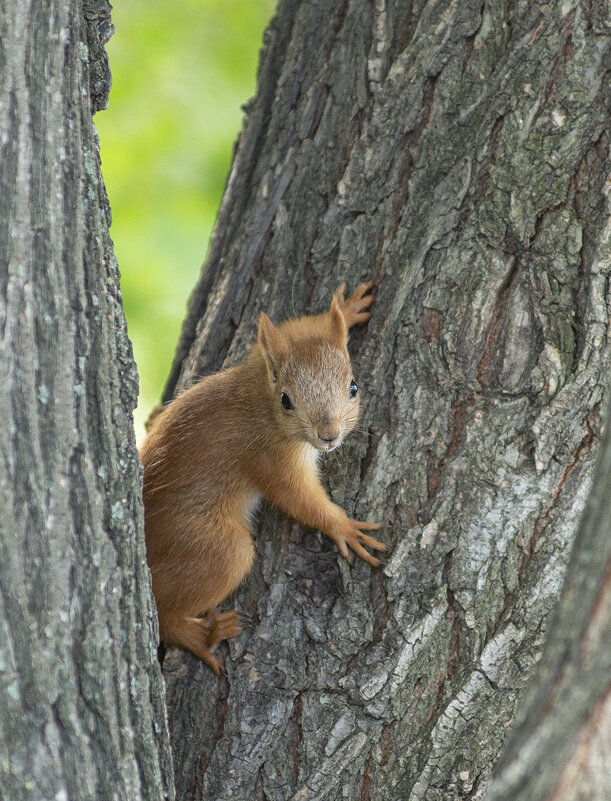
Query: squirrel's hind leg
[(201, 635)]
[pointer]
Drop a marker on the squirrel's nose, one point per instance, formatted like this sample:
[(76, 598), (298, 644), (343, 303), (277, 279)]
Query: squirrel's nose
[(328, 436)]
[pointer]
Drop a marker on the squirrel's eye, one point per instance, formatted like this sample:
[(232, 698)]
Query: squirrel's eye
[(286, 401), (353, 388)]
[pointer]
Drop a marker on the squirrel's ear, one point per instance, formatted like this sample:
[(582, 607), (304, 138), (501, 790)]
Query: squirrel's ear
[(339, 329), (271, 343)]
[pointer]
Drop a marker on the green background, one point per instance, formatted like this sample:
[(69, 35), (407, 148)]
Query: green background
[(181, 72)]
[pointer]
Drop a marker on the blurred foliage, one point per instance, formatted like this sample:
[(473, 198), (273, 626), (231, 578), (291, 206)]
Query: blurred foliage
[(181, 72)]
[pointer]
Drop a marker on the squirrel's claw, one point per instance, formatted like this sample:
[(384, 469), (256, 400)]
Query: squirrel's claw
[(340, 292)]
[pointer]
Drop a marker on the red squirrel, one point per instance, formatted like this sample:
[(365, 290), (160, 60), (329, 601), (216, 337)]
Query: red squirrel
[(251, 431)]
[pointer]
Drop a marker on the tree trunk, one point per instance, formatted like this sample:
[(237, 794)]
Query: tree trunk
[(81, 701), (456, 152), (560, 748)]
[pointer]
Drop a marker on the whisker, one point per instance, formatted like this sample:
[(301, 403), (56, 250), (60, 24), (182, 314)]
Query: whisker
[(365, 433)]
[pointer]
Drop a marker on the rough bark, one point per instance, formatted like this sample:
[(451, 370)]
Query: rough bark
[(560, 747), (456, 151), (81, 695)]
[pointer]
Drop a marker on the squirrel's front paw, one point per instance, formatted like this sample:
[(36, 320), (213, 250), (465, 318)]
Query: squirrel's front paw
[(355, 308), (352, 537)]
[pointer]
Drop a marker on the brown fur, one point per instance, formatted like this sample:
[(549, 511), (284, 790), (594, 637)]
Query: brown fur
[(227, 441)]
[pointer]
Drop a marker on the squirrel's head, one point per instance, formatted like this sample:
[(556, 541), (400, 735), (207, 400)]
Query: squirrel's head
[(313, 393)]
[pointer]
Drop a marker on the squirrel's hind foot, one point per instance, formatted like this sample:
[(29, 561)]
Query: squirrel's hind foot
[(222, 626), (202, 635)]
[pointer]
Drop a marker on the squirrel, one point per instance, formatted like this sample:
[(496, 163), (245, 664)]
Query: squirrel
[(250, 431)]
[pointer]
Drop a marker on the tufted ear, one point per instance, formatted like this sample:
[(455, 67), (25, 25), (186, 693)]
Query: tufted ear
[(339, 329), (272, 344)]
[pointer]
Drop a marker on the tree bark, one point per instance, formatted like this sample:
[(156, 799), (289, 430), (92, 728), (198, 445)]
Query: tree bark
[(81, 701), (457, 152), (560, 747)]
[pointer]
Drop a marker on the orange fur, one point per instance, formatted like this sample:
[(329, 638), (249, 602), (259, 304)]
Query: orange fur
[(225, 442)]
